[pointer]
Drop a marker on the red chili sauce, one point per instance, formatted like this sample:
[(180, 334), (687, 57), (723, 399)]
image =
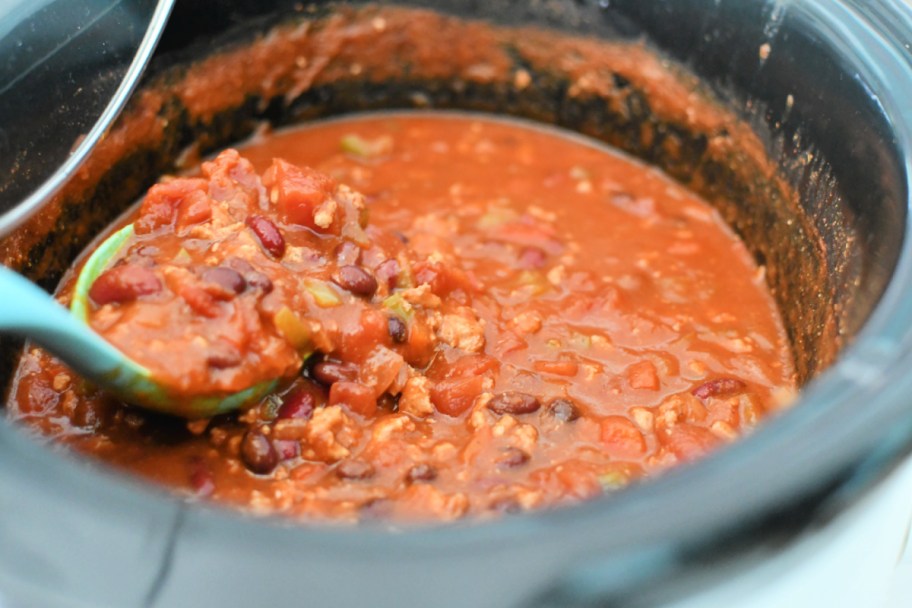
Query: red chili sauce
[(468, 316)]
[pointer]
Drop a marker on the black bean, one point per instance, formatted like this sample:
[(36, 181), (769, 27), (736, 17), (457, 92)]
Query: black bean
[(258, 453), (354, 469), (563, 410), (513, 403), (421, 472), (356, 280), (230, 280), (330, 372), (513, 457), (398, 330)]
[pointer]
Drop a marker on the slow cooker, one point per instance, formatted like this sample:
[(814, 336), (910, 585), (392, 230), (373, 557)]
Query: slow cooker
[(815, 179)]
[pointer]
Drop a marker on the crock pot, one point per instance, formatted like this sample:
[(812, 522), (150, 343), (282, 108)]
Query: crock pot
[(819, 190)]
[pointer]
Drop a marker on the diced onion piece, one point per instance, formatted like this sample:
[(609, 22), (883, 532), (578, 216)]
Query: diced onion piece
[(400, 307), (497, 216), (355, 233), (293, 329), (406, 279), (182, 257), (578, 341), (534, 281), (366, 148), (324, 295), (613, 480)]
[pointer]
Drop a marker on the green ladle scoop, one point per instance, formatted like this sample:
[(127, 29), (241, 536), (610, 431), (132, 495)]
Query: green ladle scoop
[(28, 311)]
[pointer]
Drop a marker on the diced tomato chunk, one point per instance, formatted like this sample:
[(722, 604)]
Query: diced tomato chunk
[(161, 204), (442, 279), (419, 348), (381, 369), (687, 441), (453, 397), (526, 234), (194, 209), (643, 375), (355, 396), (297, 191), (232, 177), (468, 365), (201, 301), (357, 340), (558, 368), (622, 438)]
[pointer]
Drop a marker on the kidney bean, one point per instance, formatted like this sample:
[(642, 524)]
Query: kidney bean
[(354, 470), (563, 409), (356, 280), (287, 448), (258, 280), (231, 281), (513, 457), (253, 278), (330, 372), (513, 403), (299, 404), (124, 283), (398, 330), (421, 472), (268, 234), (388, 272), (258, 453), (720, 387)]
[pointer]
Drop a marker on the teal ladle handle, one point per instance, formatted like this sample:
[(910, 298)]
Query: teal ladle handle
[(28, 311)]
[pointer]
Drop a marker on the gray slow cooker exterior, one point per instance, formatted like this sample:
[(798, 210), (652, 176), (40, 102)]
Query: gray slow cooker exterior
[(73, 534)]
